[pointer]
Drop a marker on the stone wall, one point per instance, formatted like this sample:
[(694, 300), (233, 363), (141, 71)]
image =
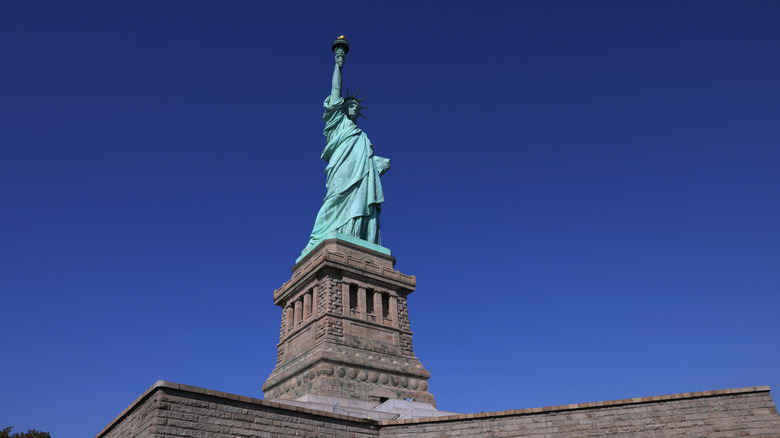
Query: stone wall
[(137, 420), (711, 414), (169, 409)]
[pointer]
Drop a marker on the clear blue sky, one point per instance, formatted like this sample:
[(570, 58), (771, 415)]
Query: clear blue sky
[(587, 193)]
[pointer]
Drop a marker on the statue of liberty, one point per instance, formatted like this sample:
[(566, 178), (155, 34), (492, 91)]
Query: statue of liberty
[(354, 193)]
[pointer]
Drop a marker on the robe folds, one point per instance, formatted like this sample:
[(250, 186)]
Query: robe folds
[(354, 193)]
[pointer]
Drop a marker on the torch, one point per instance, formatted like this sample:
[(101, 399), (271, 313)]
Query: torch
[(340, 44), (340, 48)]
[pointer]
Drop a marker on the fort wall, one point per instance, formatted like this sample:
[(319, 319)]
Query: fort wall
[(170, 409)]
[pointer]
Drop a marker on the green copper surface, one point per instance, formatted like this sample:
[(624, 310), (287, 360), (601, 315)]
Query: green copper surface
[(354, 193)]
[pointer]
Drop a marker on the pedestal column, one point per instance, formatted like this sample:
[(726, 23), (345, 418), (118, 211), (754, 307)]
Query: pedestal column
[(361, 302)]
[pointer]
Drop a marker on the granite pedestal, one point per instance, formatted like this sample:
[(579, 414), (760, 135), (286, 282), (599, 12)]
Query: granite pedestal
[(345, 329)]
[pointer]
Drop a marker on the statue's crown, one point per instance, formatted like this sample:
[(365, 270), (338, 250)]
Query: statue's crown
[(354, 97)]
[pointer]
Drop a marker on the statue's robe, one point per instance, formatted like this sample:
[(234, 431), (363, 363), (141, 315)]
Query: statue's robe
[(354, 193)]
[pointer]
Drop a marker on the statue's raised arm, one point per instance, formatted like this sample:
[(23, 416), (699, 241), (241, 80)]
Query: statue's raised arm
[(340, 52), (354, 194)]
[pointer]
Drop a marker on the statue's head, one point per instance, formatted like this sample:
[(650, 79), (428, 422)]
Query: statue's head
[(352, 105), (352, 108)]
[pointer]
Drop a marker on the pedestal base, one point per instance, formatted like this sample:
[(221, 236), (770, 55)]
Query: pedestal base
[(345, 329)]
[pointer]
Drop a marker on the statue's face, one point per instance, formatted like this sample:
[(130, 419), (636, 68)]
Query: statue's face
[(352, 109)]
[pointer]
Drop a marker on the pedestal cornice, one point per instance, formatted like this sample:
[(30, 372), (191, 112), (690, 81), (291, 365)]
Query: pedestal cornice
[(343, 255)]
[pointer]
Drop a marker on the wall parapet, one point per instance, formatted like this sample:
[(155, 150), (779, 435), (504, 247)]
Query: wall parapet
[(581, 406), (163, 384), (169, 408)]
